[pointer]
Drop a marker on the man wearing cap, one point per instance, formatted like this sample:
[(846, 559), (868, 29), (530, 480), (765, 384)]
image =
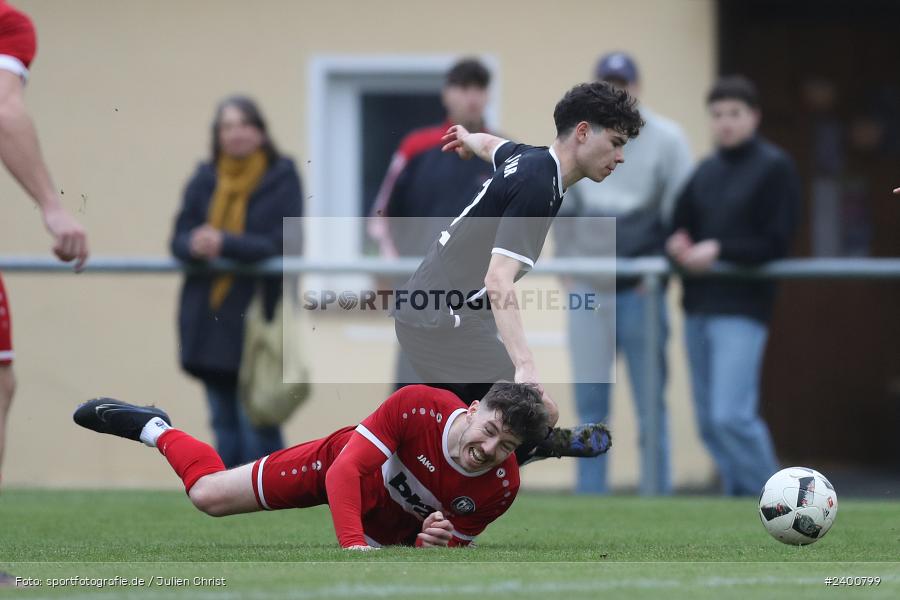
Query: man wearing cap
[(640, 197)]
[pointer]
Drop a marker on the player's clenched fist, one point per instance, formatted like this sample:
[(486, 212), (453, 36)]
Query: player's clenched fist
[(436, 531), (69, 238)]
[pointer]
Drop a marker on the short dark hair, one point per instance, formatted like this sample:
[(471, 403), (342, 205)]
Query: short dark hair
[(734, 87), (253, 116), (468, 72), (522, 409), (602, 105)]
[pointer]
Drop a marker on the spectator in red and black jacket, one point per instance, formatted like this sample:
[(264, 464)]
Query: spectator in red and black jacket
[(428, 184)]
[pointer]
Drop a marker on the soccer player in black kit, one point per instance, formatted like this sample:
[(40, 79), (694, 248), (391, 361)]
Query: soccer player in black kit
[(468, 332)]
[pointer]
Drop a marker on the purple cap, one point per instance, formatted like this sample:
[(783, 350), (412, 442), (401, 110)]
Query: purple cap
[(617, 65)]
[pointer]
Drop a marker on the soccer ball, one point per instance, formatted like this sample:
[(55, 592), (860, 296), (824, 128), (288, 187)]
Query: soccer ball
[(797, 506)]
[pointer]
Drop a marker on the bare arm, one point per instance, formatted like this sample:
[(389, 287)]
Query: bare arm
[(465, 144), (21, 154), (499, 282)]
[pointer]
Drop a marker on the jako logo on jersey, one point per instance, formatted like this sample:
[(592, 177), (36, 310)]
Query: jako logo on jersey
[(463, 505), (422, 459), (413, 501), (511, 166)]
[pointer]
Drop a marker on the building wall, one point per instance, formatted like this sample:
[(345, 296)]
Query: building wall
[(123, 93)]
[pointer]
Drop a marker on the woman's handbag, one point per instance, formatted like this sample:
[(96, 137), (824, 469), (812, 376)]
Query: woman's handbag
[(271, 387)]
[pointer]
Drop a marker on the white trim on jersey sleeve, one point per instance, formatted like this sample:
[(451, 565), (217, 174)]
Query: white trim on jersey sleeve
[(361, 429), (10, 63), (559, 180), (7, 354), (511, 254), (494, 153), (477, 295), (462, 536), (259, 483)]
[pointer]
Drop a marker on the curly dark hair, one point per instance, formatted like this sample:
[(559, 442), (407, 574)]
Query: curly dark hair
[(522, 409), (602, 105)]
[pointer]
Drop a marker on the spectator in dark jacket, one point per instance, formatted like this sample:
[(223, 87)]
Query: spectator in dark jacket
[(233, 208), (739, 206)]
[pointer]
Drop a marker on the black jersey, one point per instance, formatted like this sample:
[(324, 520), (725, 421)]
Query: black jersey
[(425, 188), (510, 215)]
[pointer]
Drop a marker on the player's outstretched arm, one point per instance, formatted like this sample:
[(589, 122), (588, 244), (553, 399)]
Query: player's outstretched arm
[(466, 145), (500, 284), (342, 483), (21, 154)]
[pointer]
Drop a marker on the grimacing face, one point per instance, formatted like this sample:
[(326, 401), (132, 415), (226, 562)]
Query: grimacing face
[(485, 444), (599, 150), (733, 122), (237, 137)]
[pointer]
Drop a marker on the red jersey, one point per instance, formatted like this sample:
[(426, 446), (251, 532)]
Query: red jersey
[(407, 437), (18, 42)]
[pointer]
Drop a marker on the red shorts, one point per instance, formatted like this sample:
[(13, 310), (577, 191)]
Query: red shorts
[(18, 42), (295, 477), (6, 348)]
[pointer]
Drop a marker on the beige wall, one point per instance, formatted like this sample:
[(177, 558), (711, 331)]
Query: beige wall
[(122, 92)]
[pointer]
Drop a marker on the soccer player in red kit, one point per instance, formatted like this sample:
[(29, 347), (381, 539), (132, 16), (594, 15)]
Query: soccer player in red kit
[(21, 155), (422, 470), (19, 148)]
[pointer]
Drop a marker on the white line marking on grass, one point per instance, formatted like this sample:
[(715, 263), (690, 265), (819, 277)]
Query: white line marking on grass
[(512, 586)]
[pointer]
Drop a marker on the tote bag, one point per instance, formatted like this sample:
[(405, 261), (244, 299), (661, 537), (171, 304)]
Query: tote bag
[(266, 399)]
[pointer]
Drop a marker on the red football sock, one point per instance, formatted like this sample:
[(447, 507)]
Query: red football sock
[(191, 458)]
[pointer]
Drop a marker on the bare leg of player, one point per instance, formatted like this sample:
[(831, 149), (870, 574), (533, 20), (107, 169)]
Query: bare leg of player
[(213, 489), (226, 492)]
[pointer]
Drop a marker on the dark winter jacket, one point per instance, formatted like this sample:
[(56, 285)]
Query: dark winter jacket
[(211, 341), (748, 199)]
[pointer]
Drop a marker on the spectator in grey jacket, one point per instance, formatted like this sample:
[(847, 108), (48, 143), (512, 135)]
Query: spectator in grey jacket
[(639, 196)]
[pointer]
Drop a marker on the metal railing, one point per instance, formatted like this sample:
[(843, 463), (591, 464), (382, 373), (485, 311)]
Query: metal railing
[(651, 270), (804, 268)]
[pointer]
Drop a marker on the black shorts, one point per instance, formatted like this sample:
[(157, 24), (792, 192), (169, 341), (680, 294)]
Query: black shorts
[(467, 360)]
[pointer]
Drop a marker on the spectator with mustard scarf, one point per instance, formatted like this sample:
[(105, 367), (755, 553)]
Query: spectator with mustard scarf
[(233, 208)]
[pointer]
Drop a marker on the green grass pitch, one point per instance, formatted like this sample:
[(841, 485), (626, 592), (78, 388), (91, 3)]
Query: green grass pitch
[(547, 546)]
